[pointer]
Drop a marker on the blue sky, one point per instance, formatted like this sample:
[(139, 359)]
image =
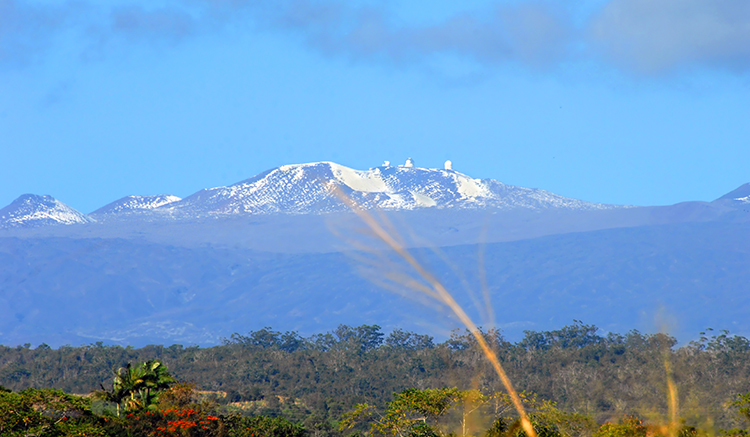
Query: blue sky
[(642, 102)]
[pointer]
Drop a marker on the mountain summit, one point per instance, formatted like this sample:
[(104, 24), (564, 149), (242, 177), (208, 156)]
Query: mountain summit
[(31, 210), (131, 204), (741, 194), (306, 188)]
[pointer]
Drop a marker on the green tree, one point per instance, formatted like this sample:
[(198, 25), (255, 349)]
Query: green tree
[(46, 412), (412, 412), (628, 426), (262, 426), (154, 378), (135, 388)]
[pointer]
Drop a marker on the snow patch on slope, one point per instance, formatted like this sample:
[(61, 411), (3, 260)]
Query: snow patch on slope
[(131, 204), (739, 195), (364, 181), (423, 201), (470, 188)]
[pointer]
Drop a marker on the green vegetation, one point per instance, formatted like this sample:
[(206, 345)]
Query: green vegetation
[(357, 380), (137, 387), (178, 412), (47, 412)]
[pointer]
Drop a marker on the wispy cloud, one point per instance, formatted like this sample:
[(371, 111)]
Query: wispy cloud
[(162, 23), (639, 36), (27, 30), (656, 36), (30, 30), (532, 33)]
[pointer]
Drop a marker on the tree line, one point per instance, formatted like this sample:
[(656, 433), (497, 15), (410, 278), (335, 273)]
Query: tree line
[(148, 401), (313, 381)]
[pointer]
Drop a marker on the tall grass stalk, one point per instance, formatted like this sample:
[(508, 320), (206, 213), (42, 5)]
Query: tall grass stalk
[(674, 422), (437, 291)]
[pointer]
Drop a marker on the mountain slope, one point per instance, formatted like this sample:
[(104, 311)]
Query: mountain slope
[(332, 232), (305, 189), (77, 291), (146, 280), (134, 204), (740, 195), (31, 210)]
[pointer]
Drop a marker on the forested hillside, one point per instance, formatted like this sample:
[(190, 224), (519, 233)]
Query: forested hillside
[(314, 380)]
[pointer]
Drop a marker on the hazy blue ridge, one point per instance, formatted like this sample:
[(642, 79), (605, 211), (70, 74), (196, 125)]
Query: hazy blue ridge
[(688, 276)]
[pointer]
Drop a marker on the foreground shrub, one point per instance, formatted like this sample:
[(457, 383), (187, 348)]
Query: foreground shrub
[(169, 423), (47, 412), (263, 426), (629, 426)]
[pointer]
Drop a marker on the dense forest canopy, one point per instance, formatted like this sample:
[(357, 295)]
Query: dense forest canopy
[(315, 380)]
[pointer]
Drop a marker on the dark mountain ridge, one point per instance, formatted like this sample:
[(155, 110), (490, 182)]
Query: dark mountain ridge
[(119, 291)]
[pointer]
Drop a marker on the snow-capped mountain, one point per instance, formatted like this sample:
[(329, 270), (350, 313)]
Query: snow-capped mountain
[(306, 188), (313, 188), (130, 204), (205, 278), (323, 187), (31, 210)]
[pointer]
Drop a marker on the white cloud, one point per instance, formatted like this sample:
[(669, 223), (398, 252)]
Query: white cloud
[(533, 33), (640, 36), (656, 36)]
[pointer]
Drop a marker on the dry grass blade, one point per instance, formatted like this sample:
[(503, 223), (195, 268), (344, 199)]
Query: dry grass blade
[(440, 293), (672, 396)]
